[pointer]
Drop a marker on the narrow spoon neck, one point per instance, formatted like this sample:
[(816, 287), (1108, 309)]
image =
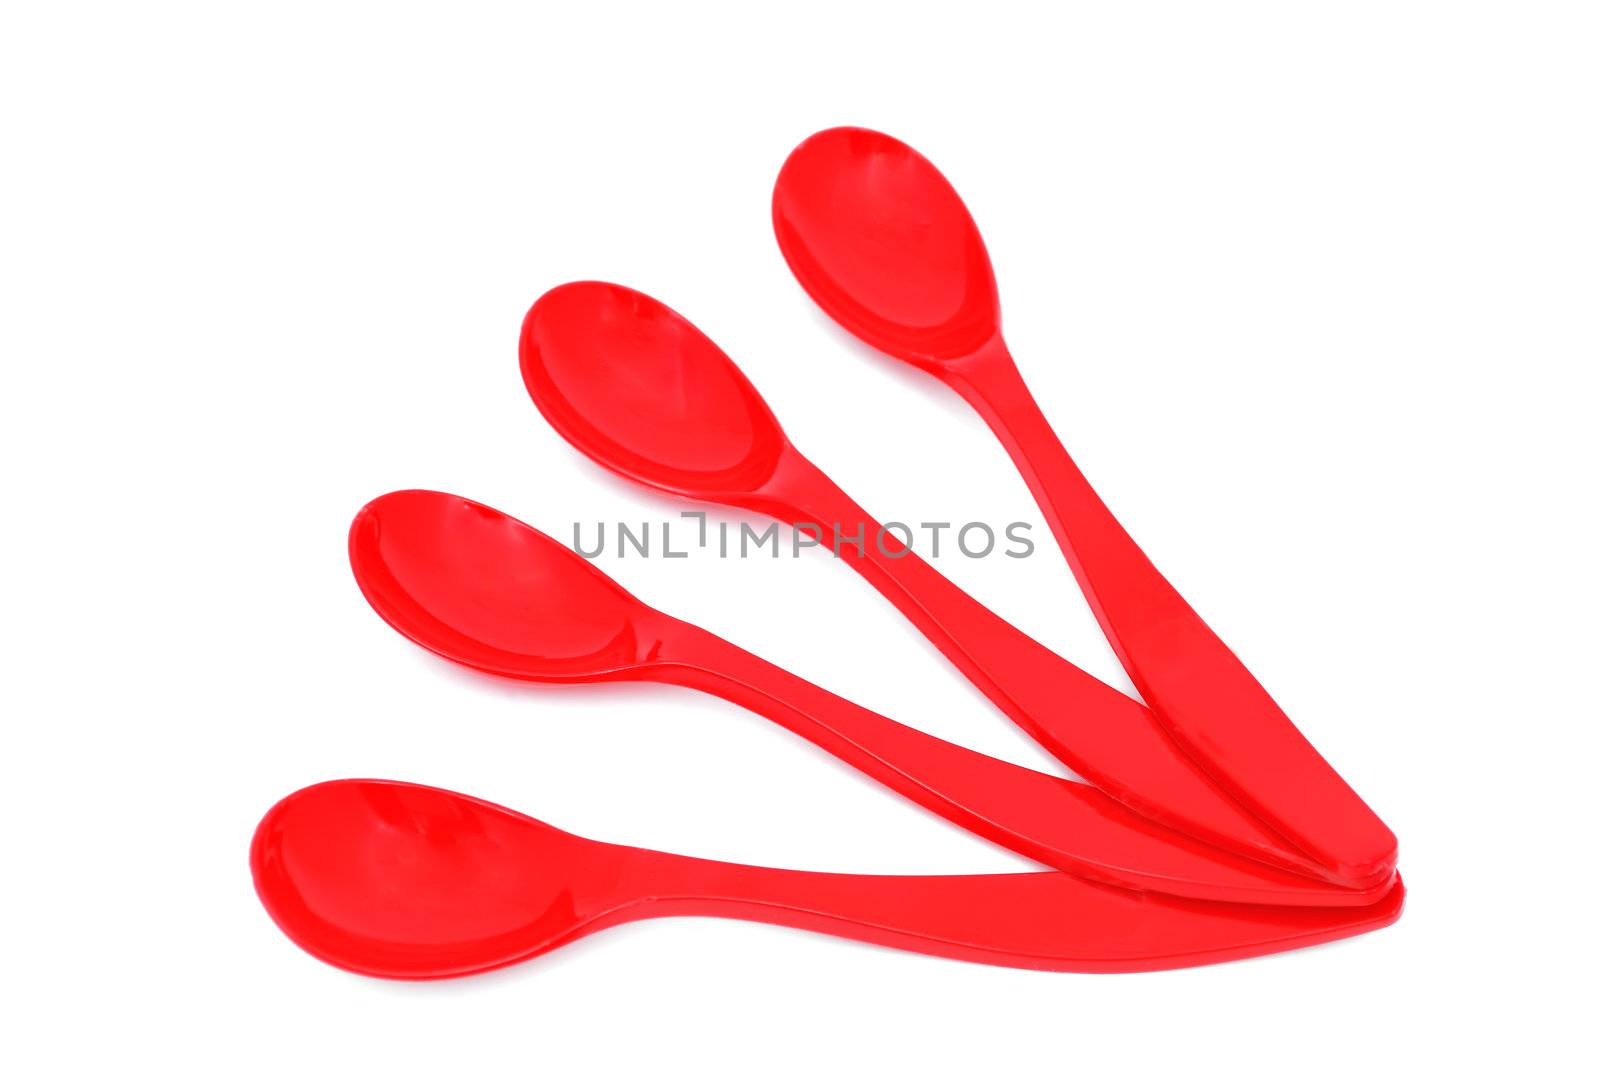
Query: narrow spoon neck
[(652, 884), (686, 655), (796, 493), (990, 382)]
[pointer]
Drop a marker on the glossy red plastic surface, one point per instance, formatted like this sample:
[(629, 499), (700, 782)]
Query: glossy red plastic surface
[(640, 390), (880, 240), (481, 588), (403, 881)]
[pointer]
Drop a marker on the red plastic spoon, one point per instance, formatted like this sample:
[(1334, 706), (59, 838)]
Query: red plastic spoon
[(637, 388), (403, 881), (880, 240), (483, 589)]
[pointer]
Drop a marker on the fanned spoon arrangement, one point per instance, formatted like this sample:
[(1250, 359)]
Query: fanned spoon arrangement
[(1210, 828)]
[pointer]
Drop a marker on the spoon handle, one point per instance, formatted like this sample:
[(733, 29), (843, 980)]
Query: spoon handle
[(1109, 739), (1044, 921), (1063, 824), (1195, 686)]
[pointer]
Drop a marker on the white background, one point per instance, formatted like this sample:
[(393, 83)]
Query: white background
[(1310, 291)]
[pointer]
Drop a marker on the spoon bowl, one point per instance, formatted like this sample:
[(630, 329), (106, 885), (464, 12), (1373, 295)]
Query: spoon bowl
[(641, 390), (883, 243), (487, 591), (403, 881)]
